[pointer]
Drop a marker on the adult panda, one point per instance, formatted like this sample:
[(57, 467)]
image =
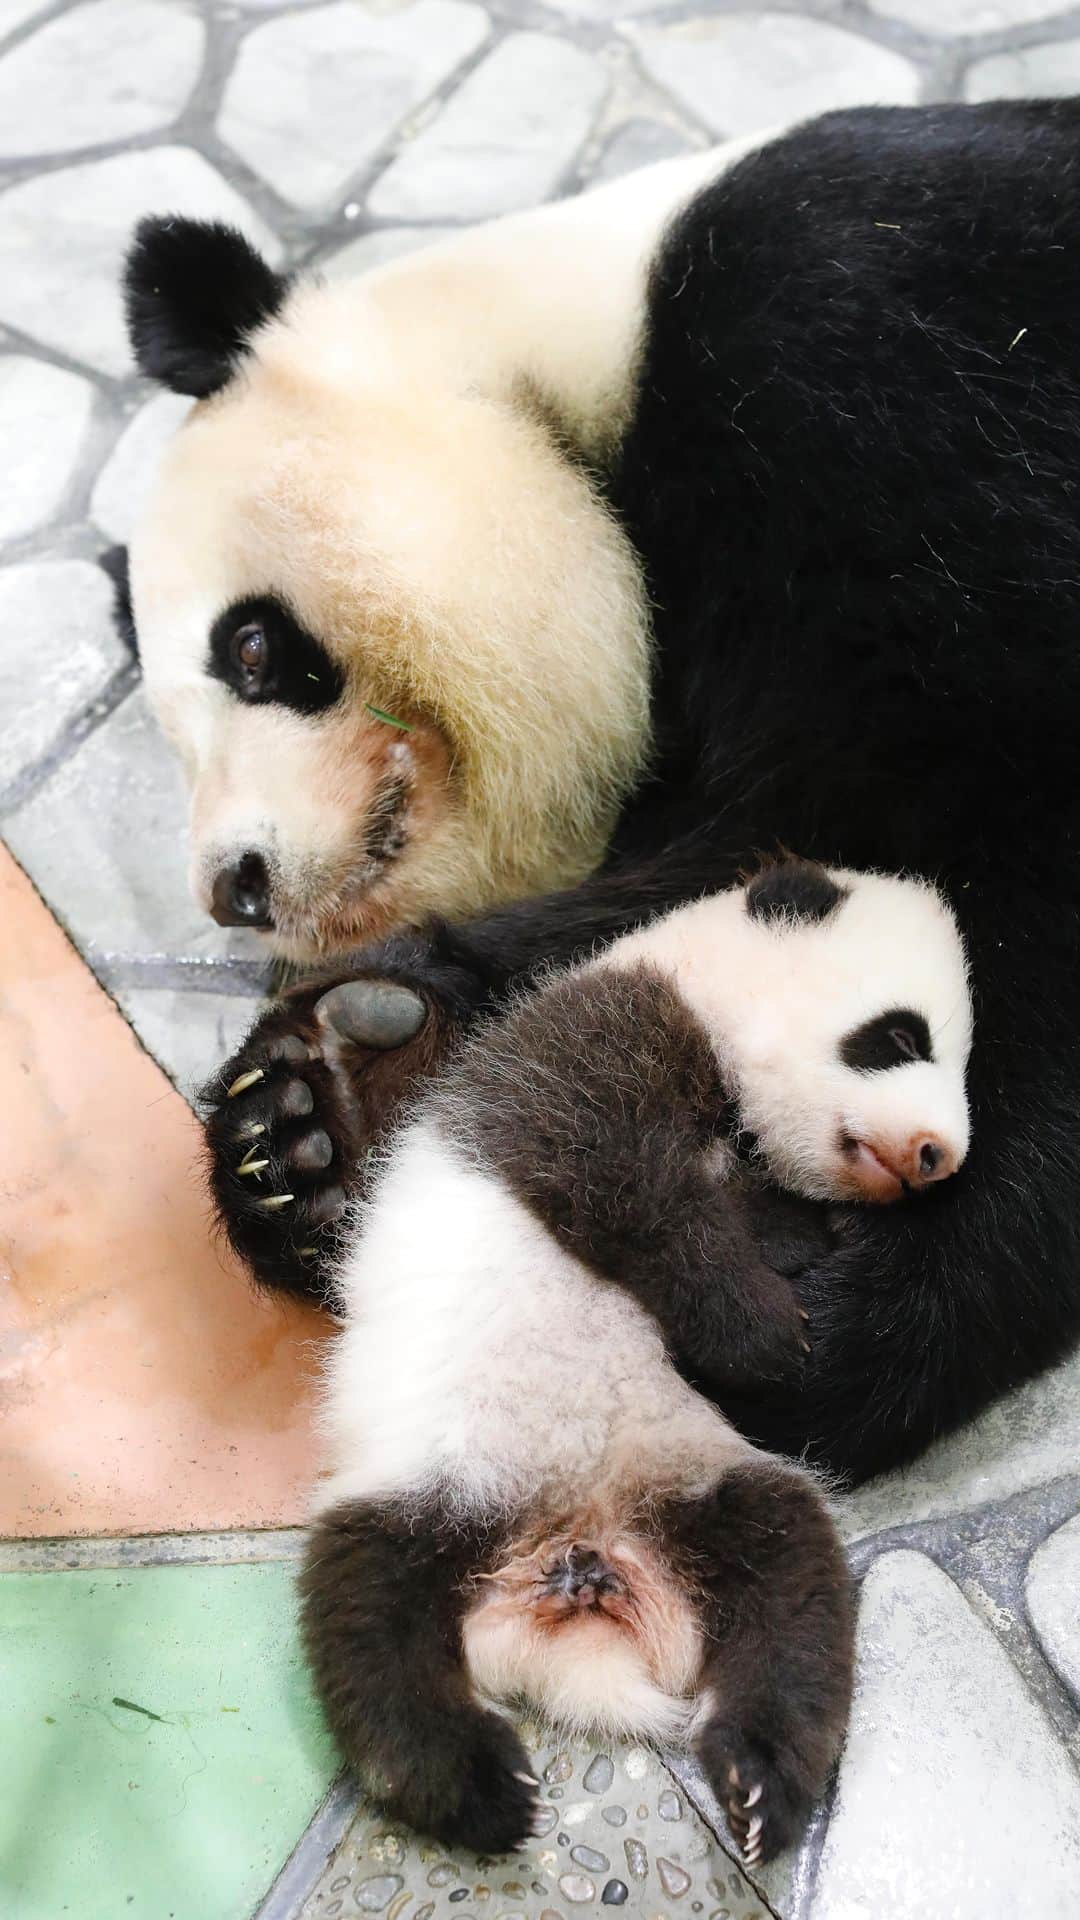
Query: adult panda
[(816, 405)]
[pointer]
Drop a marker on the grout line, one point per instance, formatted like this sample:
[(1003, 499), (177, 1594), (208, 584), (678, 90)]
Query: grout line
[(27, 785), (231, 1547), (311, 1855)]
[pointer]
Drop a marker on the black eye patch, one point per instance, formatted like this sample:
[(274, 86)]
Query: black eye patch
[(259, 650), (888, 1040), (793, 890)]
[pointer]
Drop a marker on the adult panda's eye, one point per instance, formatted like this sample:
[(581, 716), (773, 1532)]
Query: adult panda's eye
[(249, 652)]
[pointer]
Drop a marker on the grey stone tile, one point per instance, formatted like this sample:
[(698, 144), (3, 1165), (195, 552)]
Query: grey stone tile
[(103, 72), (105, 841), (63, 237), (743, 72), (189, 1034), (1047, 70), (617, 1825), (375, 249), (637, 143), (59, 651), (1031, 1436), (505, 139), (1053, 1602), (954, 1797), (44, 413), (15, 12), (123, 484), (315, 95), (964, 16)]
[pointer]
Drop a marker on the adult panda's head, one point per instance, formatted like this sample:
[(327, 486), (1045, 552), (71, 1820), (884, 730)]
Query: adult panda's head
[(384, 617)]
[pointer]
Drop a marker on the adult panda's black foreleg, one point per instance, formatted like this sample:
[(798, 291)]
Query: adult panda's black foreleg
[(384, 1593), (777, 1616)]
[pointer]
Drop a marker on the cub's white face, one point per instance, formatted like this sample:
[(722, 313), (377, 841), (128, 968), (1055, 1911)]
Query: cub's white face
[(840, 1008)]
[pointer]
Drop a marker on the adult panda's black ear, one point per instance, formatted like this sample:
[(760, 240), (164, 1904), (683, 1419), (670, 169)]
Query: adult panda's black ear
[(194, 293)]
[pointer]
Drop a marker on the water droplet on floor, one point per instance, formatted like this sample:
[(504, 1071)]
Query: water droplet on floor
[(588, 1857), (615, 1816), (669, 1806)]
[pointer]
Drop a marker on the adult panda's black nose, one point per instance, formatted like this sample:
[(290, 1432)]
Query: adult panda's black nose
[(241, 893)]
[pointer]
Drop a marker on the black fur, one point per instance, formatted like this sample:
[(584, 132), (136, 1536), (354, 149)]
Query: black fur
[(114, 564), (853, 485), (384, 1594), (195, 291), (792, 890), (594, 1100), (777, 1614), (888, 1040), (297, 673)]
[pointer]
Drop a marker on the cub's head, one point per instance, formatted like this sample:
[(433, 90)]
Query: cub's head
[(845, 1014), (394, 636)]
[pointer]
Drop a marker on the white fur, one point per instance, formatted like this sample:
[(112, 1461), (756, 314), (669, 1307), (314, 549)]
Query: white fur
[(482, 1365), (525, 1375), (380, 462), (778, 998)]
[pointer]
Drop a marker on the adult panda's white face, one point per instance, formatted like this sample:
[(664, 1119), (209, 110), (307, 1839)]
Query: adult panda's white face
[(397, 641)]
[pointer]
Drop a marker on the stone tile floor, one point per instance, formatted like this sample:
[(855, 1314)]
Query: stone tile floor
[(162, 1752)]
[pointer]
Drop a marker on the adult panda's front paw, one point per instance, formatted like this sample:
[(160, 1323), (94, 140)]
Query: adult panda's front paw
[(292, 1118)]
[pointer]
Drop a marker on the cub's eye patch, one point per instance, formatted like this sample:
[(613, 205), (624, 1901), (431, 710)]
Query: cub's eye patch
[(888, 1040), (259, 650)]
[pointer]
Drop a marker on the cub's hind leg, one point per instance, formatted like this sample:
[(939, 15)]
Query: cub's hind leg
[(384, 1593), (777, 1617)]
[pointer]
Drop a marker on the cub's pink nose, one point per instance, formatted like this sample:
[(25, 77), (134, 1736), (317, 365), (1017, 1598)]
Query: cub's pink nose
[(882, 1170)]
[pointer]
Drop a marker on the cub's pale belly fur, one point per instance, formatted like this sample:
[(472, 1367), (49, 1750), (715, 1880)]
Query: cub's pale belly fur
[(530, 1389)]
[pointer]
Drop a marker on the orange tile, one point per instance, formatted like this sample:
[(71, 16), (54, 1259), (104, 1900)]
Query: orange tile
[(143, 1385)]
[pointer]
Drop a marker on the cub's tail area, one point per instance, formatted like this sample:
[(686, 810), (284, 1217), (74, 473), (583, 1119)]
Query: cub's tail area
[(733, 1610)]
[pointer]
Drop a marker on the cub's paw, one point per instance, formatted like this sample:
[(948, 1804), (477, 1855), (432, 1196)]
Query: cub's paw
[(487, 1789), (765, 1809), (291, 1118)]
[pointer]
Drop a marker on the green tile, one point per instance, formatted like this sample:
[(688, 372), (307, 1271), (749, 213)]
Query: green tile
[(106, 1812)]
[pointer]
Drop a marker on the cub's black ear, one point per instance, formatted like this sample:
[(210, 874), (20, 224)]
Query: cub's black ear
[(194, 293), (793, 890)]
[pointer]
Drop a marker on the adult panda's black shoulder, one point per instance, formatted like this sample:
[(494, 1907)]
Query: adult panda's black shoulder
[(813, 408)]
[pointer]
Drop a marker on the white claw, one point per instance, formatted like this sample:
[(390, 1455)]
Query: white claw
[(245, 1081), (752, 1856), (274, 1200), (754, 1829), (527, 1779), (253, 1132), (249, 1165), (753, 1796), (307, 1253)]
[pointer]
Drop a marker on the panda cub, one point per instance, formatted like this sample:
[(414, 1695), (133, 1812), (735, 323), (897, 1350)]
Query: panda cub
[(528, 1501)]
